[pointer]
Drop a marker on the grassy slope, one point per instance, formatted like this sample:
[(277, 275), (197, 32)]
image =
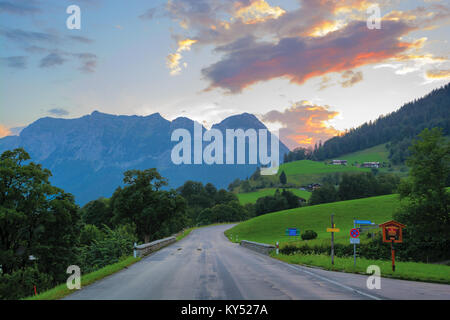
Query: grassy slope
[(304, 172), (270, 228), (375, 154), (315, 167), (251, 197)]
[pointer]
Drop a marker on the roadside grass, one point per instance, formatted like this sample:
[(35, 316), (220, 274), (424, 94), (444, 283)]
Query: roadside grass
[(270, 228), (414, 271), (183, 234), (251, 197), (61, 291)]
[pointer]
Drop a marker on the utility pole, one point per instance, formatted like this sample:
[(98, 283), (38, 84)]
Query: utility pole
[(354, 246), (393, 254), (332, 239)]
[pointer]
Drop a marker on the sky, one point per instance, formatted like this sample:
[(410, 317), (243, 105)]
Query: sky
[(310, 68)]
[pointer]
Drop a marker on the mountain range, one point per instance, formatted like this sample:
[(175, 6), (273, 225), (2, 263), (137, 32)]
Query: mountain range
[(88, 156)]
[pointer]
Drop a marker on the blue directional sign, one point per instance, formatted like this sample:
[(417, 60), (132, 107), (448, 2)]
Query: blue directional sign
[(363, 222), (292, 232)]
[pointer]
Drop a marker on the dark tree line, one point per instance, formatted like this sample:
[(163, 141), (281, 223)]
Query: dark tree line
[(355, 186), (279, 201), (207, 205)]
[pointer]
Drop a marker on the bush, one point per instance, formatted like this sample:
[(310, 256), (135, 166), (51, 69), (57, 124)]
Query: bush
[(20, 283), (309, 235), (115, 245)]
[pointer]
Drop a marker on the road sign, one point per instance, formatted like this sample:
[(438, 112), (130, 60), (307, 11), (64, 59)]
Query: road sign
[(293, 232), (354, 233), (363, 222), (355, 240), (392, 231), (333, 230)]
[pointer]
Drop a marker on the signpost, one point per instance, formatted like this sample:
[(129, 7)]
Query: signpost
[(333, 229), (366, 225), (392, 233), (354, 234)]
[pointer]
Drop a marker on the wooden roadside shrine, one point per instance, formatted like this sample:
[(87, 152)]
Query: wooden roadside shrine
[(392, 233)]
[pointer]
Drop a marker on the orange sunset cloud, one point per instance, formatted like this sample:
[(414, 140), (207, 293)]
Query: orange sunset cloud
[(303, 124)]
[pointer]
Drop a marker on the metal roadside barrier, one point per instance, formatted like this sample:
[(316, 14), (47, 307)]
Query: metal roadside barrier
[(258, 247), (148, 248)]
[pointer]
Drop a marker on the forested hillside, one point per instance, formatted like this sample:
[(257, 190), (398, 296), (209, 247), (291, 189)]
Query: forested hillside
[(397, 128)]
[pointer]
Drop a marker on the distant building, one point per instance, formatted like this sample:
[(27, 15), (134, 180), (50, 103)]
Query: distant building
[(314, 186), (371, 164), (339, 162)]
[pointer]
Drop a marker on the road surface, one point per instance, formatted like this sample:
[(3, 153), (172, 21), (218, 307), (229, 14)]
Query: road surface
[(205, 265)]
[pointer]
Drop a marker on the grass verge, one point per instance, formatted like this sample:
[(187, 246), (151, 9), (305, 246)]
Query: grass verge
[(61, 291), (413, 271)]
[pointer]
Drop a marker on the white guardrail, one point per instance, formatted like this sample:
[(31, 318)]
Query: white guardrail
[(258, 247), (148, 248)]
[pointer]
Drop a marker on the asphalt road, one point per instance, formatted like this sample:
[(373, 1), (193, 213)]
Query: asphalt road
[(205, 265)]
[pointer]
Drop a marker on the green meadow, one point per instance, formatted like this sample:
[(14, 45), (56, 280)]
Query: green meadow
[(304, 172), (375, 154), (251, 197)]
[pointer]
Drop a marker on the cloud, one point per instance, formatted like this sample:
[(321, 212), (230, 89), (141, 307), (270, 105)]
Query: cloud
[(26, 37), (438, 74), (58, 112), (412, 62), (256, 11), (81, 39), (17, 62), (17, 8), (88, 61), (4, 131), (303, 124), (51, 60), (173, 60), (58, 57), (299, 59), (325, 82), (88, 66), (38, 43), (351, 78), (282, 39)]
